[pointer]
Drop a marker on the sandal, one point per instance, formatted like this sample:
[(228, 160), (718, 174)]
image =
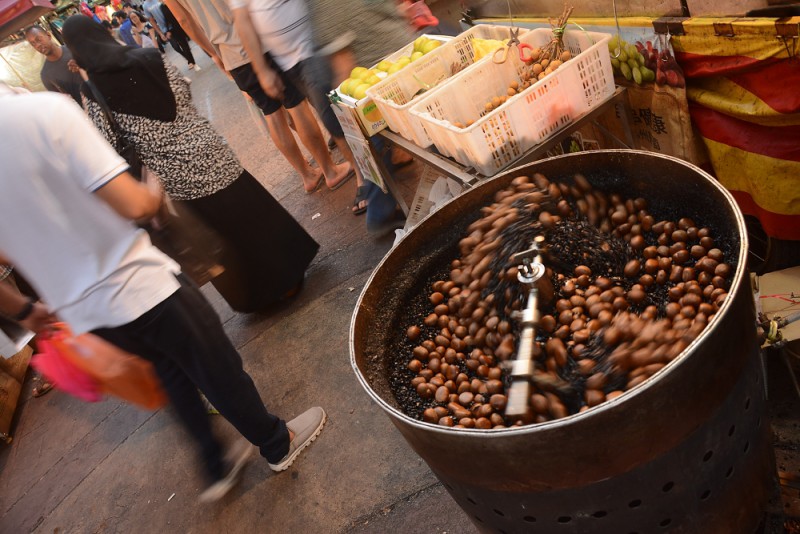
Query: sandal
[(344, 180), (316, 187), (361, 196), (40, 390)]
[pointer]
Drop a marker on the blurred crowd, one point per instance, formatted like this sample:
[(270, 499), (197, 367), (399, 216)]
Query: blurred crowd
[(95, 192)]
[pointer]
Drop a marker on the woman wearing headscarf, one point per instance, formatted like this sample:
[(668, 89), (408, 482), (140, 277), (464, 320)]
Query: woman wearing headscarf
[(267, 251)]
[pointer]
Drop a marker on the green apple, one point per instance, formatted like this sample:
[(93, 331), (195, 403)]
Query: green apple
[(360, 91), (347, 86), (419, 42), (430, 46), (358, 72)]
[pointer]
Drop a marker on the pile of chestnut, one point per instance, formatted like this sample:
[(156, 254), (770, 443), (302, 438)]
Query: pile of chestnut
[(622, 296)]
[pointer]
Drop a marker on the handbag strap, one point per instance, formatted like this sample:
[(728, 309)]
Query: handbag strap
[(112, 122)]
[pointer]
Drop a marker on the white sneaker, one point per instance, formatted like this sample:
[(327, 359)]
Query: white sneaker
[(235, 459), (306, 428), (195, 67)]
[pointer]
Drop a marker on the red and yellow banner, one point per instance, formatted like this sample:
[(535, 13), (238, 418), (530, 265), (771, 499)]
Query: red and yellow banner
[(742, 84)]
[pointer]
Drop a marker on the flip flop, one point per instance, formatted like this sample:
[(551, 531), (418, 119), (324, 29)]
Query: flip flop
[(40, 390), (343, 180), (361, 196), (316, 187)]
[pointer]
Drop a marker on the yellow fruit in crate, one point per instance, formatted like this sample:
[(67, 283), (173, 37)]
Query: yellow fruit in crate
[(394, 68), (484, 47), (430, 46), (384, 65), (347, 86), (372, 80), (419, 42), (360, 91), (403, 61), (366, 74), (416, 55), (358, 72)]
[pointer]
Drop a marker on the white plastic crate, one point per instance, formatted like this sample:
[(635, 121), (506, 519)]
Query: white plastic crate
[(394, 94), (501, 136)]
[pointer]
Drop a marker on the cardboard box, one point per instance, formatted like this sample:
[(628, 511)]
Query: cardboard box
[(365, 111), (778, 295), (433, 191), (12, 376), (365, 161)]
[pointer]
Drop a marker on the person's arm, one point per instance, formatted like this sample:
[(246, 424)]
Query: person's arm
[(129, 197), (26, 311), (154, 25), (137, 36), (194, 31), (97, 166), (153, 35), (267, 77)]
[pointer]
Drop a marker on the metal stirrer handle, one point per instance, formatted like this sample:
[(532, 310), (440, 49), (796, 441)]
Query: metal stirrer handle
[(522, 369)]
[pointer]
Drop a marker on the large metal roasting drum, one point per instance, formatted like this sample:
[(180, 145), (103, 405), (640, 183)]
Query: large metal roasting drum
[(687, 451)]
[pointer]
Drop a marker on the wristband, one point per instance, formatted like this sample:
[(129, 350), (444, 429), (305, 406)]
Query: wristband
[(25, 311)]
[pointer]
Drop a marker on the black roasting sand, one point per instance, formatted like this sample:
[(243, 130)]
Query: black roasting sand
[(570, 243)]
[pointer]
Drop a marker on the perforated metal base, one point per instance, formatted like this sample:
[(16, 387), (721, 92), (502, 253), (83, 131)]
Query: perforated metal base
[(717, 480)]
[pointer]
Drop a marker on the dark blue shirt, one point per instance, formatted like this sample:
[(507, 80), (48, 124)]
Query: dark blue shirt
[(126, 35)]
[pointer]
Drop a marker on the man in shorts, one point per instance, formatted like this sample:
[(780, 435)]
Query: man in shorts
[(210, 24)]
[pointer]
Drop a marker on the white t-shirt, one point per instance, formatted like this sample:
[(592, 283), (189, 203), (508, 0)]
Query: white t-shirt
[(284, 27), (152, 8), (91, 266)]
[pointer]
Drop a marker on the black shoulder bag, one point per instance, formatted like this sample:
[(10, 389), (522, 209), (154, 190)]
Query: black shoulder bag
[(124, 147), (174, 229)]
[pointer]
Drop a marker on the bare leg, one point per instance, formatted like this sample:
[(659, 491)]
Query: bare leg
[(311, 136), (284, 140)]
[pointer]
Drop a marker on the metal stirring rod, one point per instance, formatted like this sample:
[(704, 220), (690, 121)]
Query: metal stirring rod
[(523, 367)]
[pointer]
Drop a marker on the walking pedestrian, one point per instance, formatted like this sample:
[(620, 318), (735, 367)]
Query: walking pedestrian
[(152, 104), (210, 24), (339, 49), (284, 31), (59, 72), (99, 273), (177, 37)]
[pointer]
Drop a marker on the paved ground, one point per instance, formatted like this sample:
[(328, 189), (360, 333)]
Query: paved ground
[(107, 467)]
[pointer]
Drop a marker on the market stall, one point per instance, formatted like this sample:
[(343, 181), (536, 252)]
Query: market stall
[(703, 116), (547, 340)]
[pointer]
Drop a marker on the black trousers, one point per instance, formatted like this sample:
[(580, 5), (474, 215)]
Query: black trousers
[(184, 339), (180, 43)]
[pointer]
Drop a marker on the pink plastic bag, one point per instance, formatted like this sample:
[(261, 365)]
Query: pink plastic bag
[(62, 372)]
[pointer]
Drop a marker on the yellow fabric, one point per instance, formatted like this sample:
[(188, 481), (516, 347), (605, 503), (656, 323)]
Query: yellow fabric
[(732, 99), (627, 21), (20, 66), (745, 171), (754, 38)]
